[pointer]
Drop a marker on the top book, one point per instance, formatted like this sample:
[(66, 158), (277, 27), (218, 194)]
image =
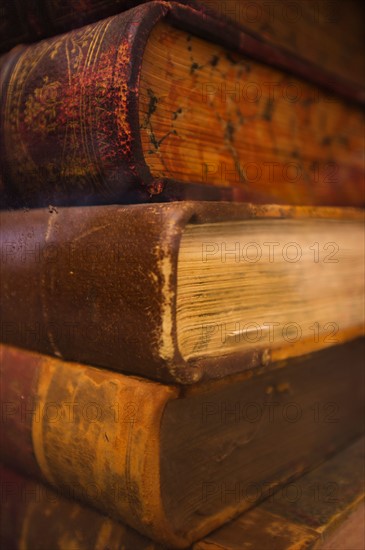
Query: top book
[(312, 30), (168, 102)]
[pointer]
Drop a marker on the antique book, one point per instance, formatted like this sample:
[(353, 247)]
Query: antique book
[(320, 507), (165, 102), (184, 291), (111, 439), (313, 31)]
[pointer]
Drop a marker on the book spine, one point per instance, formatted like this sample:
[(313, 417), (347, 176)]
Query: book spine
[(35, 516), (100, 292), (87, 430), (70, 113)]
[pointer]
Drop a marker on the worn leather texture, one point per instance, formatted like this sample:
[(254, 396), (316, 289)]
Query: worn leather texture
[(109, 440), (70, 117), (94, 284)]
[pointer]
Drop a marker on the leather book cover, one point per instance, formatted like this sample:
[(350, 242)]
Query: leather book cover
[(109, 440), (99, 285), (72, 133)]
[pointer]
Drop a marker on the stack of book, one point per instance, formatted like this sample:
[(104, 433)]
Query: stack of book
[(182, 271)]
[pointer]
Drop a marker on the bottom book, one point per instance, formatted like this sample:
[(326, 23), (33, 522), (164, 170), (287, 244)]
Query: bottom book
[(175, 463), (322, 509)]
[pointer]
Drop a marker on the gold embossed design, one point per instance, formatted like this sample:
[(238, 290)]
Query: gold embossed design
[(59, 120)]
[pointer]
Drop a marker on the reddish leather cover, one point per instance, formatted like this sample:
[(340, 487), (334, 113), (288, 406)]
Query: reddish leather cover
[(74, 138)]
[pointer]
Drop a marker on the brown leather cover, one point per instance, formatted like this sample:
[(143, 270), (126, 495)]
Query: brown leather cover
[(93, 284), (102, 437), (74, 138), (92, 433)]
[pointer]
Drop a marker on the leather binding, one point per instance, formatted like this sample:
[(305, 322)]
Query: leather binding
[(93, 284), (109, 440), (85, 121)]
